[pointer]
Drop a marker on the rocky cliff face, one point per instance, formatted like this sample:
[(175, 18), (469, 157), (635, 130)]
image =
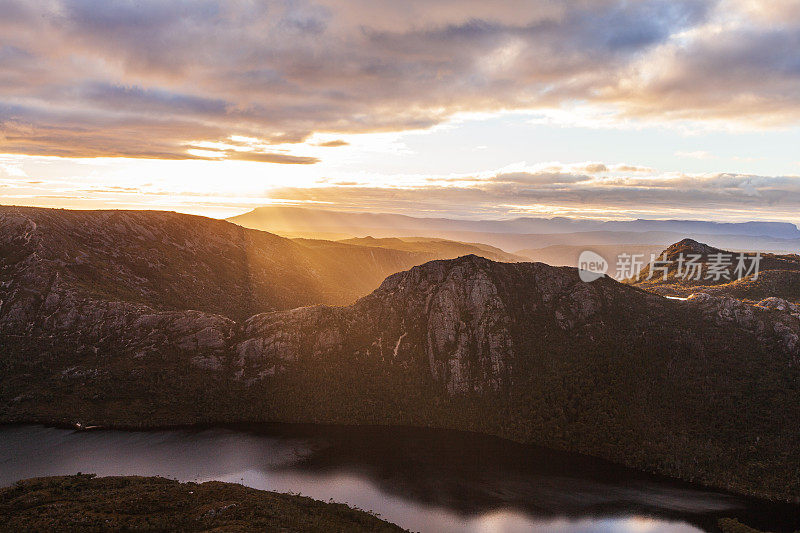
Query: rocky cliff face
[(449, 319), (522, 350), (463, 323)]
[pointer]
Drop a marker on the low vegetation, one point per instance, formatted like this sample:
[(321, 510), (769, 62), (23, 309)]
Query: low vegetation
[(87, 503)]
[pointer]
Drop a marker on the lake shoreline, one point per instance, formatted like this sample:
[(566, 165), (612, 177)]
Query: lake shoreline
[(258, 427), (471, 474)]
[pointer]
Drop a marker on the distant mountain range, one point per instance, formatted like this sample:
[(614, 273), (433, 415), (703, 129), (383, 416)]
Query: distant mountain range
[(141, 319), (279, 218), (522, 233)]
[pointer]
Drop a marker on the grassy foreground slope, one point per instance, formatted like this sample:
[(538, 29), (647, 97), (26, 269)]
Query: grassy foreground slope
[(88, 503)]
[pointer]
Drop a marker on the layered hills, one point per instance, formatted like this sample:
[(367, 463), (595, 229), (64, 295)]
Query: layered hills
[(438, 248), (304, 219), (705, 389), (523, 233)]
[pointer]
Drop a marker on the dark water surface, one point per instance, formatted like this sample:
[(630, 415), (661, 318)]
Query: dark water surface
[(424, 480)]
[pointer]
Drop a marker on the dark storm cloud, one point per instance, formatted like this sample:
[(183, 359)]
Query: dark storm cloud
[(148, 78)]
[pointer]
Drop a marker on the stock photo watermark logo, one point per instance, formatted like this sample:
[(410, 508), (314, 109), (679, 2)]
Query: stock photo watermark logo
[(591, 266), (716, 267)]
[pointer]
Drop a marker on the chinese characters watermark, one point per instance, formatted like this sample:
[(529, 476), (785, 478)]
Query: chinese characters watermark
[(719, 267)]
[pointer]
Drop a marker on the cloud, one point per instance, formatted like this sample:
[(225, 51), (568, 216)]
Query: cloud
[(334, 144), (595, 168), (556, 189), (263, 157), (574, 193), (529, 179), (86, 78), (631, 168)]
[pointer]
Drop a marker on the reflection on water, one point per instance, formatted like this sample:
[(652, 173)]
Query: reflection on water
[(425, 480)]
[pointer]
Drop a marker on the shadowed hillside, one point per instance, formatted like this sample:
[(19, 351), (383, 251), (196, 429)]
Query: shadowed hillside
[(172, 261)]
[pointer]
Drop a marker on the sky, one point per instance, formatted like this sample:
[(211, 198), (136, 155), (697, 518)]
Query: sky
[(598, 109)]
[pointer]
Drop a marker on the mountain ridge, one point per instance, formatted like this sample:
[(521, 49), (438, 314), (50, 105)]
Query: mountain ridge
[(175, 261), (525, 351), (283, 217), (445, 249), (524, 234)]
